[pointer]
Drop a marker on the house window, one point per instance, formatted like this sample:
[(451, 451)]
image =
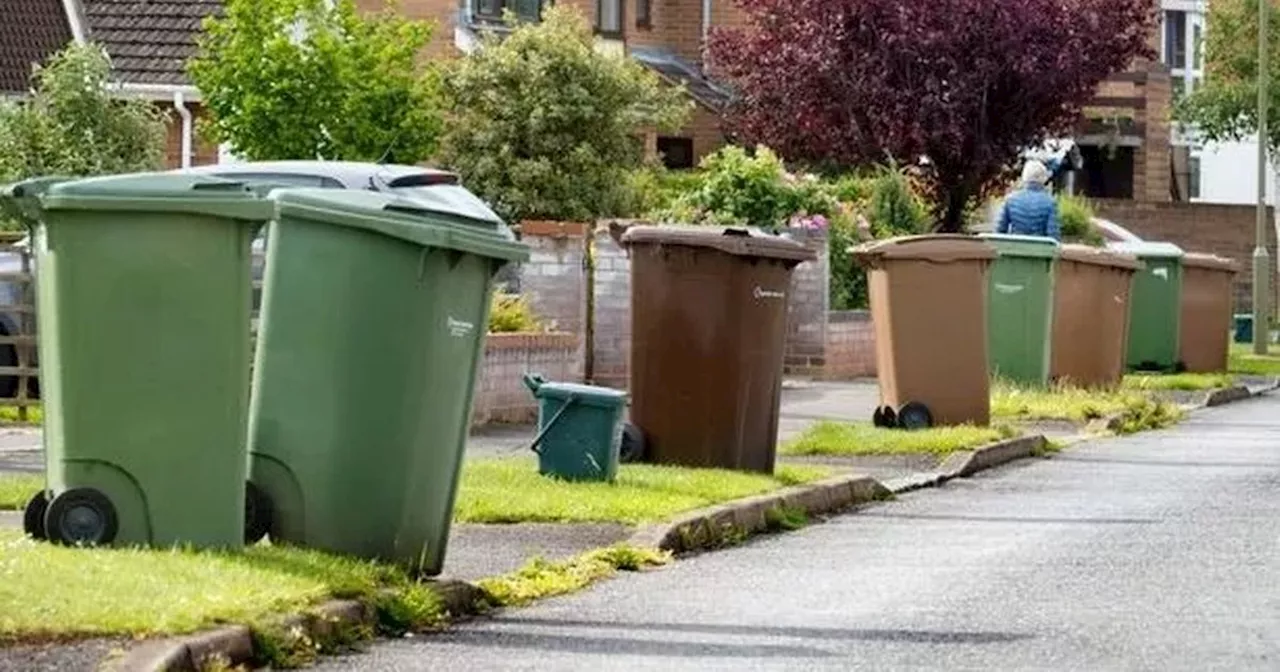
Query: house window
[(644, 10), (1175, 39), (677, 153), (609, 17), (1193, 178), (525, 10)]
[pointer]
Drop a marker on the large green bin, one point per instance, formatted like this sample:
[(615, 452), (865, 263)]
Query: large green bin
[(143, 327), (1155, 307), (1020, 307), (374, 315)]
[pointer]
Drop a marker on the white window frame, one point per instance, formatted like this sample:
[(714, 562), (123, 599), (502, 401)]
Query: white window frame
[(1193, 74)]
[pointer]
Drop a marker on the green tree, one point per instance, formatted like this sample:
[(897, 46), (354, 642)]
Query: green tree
[(74, 124), (1225, 106), (302, 79), (544, 126)]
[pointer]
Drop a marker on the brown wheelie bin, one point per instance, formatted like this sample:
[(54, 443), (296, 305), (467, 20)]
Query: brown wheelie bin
[(1091, 315), (1204, 334), (708, 325), (929, 305)]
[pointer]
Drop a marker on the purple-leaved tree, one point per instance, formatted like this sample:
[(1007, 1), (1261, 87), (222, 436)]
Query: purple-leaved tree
[(968, 84)]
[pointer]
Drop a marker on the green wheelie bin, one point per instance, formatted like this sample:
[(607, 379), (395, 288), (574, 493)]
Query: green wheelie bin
[(143, 294), (1020, 307), (1155, 307), (374, 313)]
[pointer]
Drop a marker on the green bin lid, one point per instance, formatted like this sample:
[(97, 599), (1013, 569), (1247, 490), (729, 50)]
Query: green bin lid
[(412, 219), (1011, 245), (587, 394), (1148, 249), (160, 192), (20, 200)]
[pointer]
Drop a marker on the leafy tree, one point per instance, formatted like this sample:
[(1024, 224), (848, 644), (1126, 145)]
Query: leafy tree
[(544, 126), (968, 84), (1225, 106), (73, 123), (301, 79)]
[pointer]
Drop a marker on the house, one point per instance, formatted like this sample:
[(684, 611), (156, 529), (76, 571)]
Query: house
[(664, 35), (148, 42)]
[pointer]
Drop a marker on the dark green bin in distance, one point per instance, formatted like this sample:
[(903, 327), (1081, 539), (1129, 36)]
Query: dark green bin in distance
[(1020, 307), (579, 429), (374, 313), (144, 296), (1155, 308)]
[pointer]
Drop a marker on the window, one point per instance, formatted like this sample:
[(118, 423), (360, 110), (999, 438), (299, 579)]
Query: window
[(526, 10), (644, 14), (1193, 177), (1196, 47), (677, 153), (1175, 39), (609, 17)]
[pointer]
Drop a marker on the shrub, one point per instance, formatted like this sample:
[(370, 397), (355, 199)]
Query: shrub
[(895, 208), (544, 126), (1075, 217), (749, 189), (511, 313)]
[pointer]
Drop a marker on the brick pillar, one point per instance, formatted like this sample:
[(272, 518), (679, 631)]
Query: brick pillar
[(807, 308), (554, 278)]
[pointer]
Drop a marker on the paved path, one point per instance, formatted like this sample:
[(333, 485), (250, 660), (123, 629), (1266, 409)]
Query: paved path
[(1155, 552)]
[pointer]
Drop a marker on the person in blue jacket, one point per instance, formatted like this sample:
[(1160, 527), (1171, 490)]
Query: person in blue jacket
[(1031, 210)]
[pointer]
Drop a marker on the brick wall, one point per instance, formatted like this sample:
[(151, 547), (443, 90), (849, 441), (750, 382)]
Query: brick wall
[(807, 308), (442, 13), (553, 279), (1225, 230), (850, 346), (675, 24), (202, 152), (501, 396), (611, 346)]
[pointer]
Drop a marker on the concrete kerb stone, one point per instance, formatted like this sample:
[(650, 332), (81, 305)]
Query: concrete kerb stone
[(1227, 396)]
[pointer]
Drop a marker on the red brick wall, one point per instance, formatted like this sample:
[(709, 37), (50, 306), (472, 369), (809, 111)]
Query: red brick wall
[(439, 12), (1225, 230), (675, 24), (202, 152)]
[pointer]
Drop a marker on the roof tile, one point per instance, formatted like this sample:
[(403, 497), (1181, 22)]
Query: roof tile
[(31, 31), (149, 40)]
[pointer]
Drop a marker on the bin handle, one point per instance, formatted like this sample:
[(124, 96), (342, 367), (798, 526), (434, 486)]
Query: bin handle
[(537, 440), (221, 185), (533, 381)]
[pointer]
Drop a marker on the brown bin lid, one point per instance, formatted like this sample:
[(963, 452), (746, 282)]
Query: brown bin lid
[(1210, 261), (934, 247), (1099, 256), (743, 242)]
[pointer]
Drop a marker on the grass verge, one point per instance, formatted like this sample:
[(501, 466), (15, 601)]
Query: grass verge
[(1059, 402), (57, 593), (510, 490), (540, 578), (851, 439), (18, 489), (1186, 382), (1243, 361)]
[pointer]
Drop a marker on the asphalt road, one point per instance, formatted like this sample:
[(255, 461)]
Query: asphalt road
[(1156, 552)]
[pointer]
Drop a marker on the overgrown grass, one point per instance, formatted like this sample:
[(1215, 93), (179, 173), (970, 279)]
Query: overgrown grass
[(510, 490), (540, 578), (840, 438), (52, 592), (12, 415), (18, 489), (1187, 382), (1058, 402), (1243, 361)]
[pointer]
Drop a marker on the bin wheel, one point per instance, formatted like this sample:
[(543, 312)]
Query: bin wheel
[(258, 512), (914, 415), (633, 444), (1180, 366), (33, 516), (81, 517), (884, 417)]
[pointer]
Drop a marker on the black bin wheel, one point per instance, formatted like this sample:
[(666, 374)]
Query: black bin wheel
[(33, 516), (914, 415), (633, 444), (885, 417), (81, 517), (258, 512)]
